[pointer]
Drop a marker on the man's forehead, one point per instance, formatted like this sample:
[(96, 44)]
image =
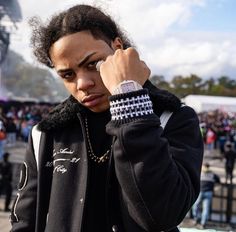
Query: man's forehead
[(70, 47), (81, 42)]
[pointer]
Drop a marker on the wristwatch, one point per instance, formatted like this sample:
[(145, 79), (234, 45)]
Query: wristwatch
[(127, 86)]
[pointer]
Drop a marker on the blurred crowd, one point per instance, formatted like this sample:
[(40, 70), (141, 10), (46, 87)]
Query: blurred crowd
[(218, 130), (17, 121), (219, 134)]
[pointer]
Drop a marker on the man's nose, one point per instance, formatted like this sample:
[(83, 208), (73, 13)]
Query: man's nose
[(84, 83)]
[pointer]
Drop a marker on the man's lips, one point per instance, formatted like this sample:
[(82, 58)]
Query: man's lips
[(91, 99)]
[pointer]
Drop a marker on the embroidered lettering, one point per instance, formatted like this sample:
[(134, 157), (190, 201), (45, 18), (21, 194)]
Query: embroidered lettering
[(75, 160), (60, 168), (62, 160), (63, 151)]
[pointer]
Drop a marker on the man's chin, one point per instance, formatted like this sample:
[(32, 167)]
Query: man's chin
[(99, 108)]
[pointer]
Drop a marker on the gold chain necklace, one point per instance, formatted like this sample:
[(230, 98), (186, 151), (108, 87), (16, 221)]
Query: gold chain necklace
[(95, 158)]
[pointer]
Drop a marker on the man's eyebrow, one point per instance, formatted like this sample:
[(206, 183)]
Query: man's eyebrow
[(83, 61), (60, 71)]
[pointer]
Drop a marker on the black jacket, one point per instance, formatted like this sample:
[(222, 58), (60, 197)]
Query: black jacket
[(154, 175), (208, 181)]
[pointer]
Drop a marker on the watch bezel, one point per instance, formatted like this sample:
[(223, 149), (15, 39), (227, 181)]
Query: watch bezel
[(121, 88)]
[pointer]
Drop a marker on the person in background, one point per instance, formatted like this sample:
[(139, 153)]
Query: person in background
[(204, 200), (104, 160), (11, 131), (5, 180), (210, 139), (230, 156), (26, 126), (2, 138)]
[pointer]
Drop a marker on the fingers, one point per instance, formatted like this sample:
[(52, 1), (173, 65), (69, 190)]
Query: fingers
[(123, 65), (129, 52), (132, 52), (98, 65)]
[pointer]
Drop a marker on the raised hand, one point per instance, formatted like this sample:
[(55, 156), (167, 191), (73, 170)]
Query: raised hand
[(123, 65)]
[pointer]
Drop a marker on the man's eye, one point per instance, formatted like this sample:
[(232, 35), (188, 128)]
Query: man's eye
[(67, 75), (92, 65)]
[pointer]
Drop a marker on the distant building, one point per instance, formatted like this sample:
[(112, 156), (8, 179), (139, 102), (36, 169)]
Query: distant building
[(201, 103), (10, 11)]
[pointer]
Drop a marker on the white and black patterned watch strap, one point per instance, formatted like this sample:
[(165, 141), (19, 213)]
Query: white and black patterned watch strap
[(130, 105)]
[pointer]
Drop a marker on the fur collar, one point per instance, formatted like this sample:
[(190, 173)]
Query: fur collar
[(66, 112)]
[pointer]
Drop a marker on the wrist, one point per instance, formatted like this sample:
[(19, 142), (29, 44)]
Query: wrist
[(130, 106)]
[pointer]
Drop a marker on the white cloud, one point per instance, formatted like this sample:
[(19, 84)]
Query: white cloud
[(176, 56), (148, 19), (150, 24)]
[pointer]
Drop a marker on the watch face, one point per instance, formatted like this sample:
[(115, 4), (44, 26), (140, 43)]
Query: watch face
[(127, 87)]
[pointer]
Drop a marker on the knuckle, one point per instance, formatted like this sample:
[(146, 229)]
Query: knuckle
[(118, 52), (108, 60), (131, 51)]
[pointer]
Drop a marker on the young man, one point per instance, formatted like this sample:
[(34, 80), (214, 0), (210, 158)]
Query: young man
[(101, 160), (230, 155), (204, 200)]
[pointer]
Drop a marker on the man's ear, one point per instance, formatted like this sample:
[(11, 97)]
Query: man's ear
[(117, 43)]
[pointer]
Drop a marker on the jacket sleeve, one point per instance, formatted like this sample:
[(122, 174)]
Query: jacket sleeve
[(24, 207), (158, 171)]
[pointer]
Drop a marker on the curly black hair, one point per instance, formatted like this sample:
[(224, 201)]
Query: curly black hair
[(75, 19)]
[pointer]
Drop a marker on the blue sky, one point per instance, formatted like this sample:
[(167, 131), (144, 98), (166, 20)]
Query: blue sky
[(215, 16), (174, 37)]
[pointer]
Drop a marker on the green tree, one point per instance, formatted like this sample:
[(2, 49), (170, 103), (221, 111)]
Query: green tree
[(183, 86), (227, 82), (160, 82), (208, 86)]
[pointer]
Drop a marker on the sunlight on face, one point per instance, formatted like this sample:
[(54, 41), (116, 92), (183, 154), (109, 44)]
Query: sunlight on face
[(75, 57)]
